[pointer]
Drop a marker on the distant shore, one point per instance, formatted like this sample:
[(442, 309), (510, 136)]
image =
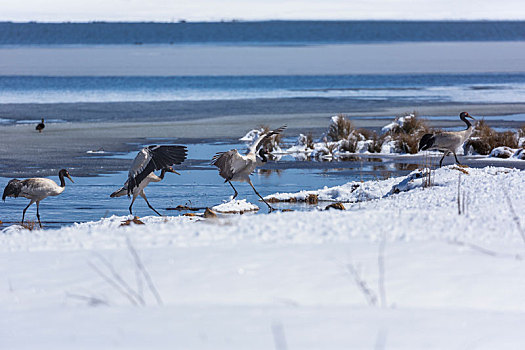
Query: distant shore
[(25, 152)]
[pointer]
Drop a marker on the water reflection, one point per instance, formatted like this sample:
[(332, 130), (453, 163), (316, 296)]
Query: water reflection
[(270, 172)]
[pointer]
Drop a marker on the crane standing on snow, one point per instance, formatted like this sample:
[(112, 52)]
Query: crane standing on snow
[(36, 189), (236, 167), (447, 141), (142, 169)]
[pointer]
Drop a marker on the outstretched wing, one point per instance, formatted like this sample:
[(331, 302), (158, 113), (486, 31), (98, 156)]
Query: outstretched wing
[(153, 158), (263, 138), (229, 163), (13, 189)]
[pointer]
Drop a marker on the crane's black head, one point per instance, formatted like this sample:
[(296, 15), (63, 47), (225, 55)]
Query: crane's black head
[(464, 115), (263, 153), (64, 173)]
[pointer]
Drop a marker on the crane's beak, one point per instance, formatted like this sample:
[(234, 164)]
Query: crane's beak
[(171, 170), (69, 177), (471, 117)]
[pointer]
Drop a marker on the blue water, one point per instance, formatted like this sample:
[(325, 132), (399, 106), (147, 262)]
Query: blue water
[(472, 88), (198, 186), (258, 33)]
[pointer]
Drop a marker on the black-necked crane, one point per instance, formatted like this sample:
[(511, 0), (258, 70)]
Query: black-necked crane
[(40, 126), (36, 189), (236, 167), (447, 141), (141, 173)]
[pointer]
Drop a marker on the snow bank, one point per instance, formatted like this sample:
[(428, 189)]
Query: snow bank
[(405, 201), (235, 206), (356, 191), (507, 152)]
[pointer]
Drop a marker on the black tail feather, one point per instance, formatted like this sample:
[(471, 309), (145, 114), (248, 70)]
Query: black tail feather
[(13, 189), (426, 142)]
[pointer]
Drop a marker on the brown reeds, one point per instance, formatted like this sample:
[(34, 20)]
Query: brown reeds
[(484, 139)]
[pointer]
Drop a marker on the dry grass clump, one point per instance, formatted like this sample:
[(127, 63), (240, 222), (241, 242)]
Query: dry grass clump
[(341, 129), (412, 124), (135, 221), (407, 143), (29, 225), (377, 140), (308, 140), (464, 171), (408, 132), (348, 145), (484, 139), (210, 214), (311, 199), (338, 206)]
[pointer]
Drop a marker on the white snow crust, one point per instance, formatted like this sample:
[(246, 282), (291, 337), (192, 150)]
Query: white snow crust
[(235, 206)]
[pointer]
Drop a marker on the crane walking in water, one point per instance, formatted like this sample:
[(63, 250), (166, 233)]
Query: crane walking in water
[(236, 167), (142, 169), (447, 141), (36, 189)]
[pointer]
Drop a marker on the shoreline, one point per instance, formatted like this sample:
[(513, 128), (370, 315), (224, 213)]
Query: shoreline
[(24, 152)]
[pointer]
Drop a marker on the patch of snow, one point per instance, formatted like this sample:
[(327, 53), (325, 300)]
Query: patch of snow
[(235, 206), (389, 147), (364, 146), (502, 152), (505, 152), (397, 123)]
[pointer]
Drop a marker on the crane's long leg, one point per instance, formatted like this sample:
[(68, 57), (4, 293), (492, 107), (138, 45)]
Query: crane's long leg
[(131, 205), (444, 155), (38, 214), (457, 161), (236, 193), (143, 195), (265, 202), (24, 212)]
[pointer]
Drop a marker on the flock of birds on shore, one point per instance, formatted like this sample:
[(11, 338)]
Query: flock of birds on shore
[(232, 166)]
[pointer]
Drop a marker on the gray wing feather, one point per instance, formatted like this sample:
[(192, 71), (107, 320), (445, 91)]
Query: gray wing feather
[(229, 163)]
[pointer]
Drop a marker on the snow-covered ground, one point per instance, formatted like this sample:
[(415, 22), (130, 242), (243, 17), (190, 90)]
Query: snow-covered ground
[(400, 269), (236, 206)]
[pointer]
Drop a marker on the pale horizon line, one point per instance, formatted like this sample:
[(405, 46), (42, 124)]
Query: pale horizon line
[(235, 20)]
